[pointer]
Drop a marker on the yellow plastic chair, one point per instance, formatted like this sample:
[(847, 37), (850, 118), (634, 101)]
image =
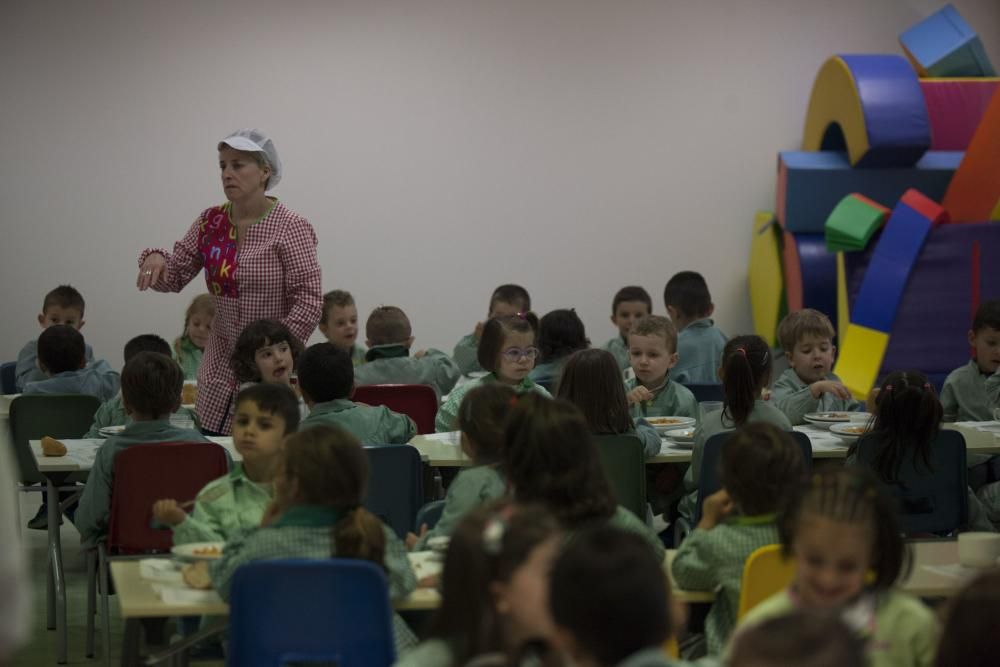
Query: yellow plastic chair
[(765, 573), (671, 649)]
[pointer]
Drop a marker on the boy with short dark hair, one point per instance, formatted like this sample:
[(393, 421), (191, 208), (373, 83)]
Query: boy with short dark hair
[(63, 305), (340, 323), (629, 305), (972, 392), (389, 338), (507, 299), (699, 341), (151, 391), (62, 357), (653, 353), (326, 379), (809, 385)]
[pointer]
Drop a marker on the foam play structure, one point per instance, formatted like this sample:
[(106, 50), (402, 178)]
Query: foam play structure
[(887, 218)]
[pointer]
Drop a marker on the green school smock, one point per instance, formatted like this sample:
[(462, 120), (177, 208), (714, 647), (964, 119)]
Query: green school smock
[(471, 488), (792, 396), (447, 416), (699, 353), (371, 424), (392, 364), (466, 355), (112, 413), (226, 507), (618, 347), (670, 399), (188, 356), (970, 395)]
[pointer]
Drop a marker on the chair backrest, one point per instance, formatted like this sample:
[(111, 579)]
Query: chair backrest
[(148, 472), (334, 611), (706, 392), (624, 462), (930, 501), (709, 481), (8, 377), (418, 401), (395, 485), (429, 514), (766, 572), (37, 415)]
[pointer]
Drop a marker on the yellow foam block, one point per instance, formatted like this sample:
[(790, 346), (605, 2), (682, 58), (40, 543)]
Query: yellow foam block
[(766, 281), (861, 353), (835, 99), (843, 310), (995, 215)]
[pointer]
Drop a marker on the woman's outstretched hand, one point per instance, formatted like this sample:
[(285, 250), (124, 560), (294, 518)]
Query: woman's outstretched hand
[(153, 267)]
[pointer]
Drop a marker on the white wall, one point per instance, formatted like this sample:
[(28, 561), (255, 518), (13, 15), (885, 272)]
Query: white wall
[(439, 147)]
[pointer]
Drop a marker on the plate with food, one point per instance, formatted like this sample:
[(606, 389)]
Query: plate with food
[(109, 431), (682, 436), (825, 419), (198, 551), (670, 423), (849, 431)]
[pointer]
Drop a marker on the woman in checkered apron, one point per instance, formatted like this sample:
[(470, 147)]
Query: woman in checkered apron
[(259, 259)]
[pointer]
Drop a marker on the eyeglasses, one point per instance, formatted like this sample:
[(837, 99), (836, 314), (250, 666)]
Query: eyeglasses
[(516, 353)]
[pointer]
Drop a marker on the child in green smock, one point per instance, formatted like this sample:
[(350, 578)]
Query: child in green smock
[(629, 305), (505, 300)]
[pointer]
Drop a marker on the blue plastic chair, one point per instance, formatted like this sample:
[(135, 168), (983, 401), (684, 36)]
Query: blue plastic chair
[(624, 463), (930, 501), (429, 514), (395, 485), (288, 611), (8, 379), (706, 392)]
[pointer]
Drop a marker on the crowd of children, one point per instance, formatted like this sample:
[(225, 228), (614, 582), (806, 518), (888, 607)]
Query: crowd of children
[(535, 515)]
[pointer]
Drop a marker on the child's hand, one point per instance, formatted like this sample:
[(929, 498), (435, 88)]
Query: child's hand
[(639, 395), (478, 331), (430, 581), (830, 387), (715, 508), (411, 539), (419, 353), (196, 575), (168, 512)]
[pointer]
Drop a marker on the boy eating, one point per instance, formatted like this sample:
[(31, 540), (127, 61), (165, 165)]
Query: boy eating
[(340, 324), (653, 352), (972, 392), (326, 379), (234, 504), (151, 391), (506, 300), (699, 341), (630, 304), (808, 385), (389, 338), (62, 359), (63, 305)]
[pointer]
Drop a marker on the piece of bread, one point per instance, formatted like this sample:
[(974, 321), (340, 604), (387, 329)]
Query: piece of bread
[(52, 447)]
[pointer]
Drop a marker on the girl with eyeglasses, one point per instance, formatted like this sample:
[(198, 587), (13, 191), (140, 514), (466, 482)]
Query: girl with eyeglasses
[(507, 350)]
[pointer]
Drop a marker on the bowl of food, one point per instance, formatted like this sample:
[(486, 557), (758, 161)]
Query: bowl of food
[(664, 425), (195, 551)]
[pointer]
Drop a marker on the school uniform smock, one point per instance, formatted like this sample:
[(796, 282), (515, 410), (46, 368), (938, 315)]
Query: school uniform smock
[(711, 424), (304, 531), (548, 373), (713, 560), (447, 416), (655, 657), (792, 396), (471, 488), (27, 369), (96, 379), (669, 399), (94, 511), (466, 355), (226, 507), (618, 347), (969, 394), (188, 355), (371, 424), (627, 521), (392, 364), (699, 353), (900, 630), (273, 274), (112, 413), (358, 353)]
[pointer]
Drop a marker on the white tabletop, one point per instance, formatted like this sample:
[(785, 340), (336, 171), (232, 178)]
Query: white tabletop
[(80, 454)]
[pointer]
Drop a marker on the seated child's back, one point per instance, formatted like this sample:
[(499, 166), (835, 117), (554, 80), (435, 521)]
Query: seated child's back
[(972, 392), (761, 468), (699, 341), (151, 391), (326, 379), (389, 338), (809, 385), (62, 357), (63, 305)]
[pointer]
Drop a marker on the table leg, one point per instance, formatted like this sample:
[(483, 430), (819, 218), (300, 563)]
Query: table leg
[(56, 570), (130, 642)]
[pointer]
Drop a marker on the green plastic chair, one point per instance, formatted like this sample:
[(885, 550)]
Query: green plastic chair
[(624, 463), (56, 415)]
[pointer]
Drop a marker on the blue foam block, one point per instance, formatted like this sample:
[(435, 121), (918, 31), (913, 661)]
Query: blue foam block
[(818, 268), (904, 236), (892, 101), (811, 184), (944, 45), (934, 315)]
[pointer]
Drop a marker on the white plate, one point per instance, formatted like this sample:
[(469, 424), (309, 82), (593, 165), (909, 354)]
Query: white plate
[(190, 552), (825, 419), (670, 423), (109, 431), (849, 431), (682, 435)]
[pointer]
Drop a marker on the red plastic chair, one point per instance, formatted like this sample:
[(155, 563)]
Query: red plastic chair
[(143, 474), (417, 401)]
